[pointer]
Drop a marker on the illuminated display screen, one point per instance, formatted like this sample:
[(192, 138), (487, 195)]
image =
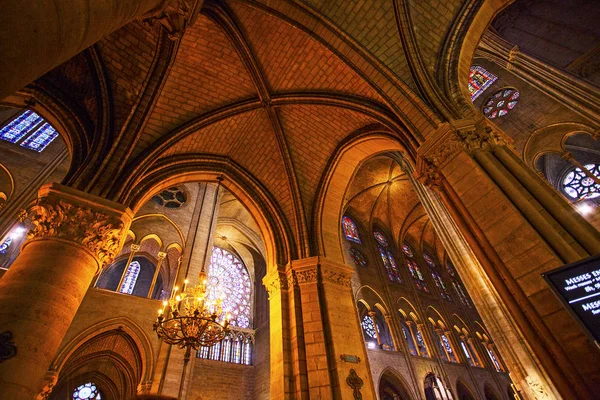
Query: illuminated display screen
[(578, 287)]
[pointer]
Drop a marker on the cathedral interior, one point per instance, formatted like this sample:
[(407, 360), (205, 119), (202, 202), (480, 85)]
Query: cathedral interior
[(297, 199)]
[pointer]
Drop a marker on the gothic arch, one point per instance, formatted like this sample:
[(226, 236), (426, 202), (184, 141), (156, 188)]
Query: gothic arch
[(274, 228), (329, 200), (463, 391), (551, 139), (393, 381), (114, 353)]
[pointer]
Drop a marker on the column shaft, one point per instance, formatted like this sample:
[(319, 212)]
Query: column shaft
[(74, 236)]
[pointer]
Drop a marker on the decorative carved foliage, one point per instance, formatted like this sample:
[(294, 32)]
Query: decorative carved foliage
[(482, 138), (7, 346), (338, 278), (306, 276), (48, 385), (98, 232)]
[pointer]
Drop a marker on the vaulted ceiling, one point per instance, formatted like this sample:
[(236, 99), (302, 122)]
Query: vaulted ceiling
[(274, 87)]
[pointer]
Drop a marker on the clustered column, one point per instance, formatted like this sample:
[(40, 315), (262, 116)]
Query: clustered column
[(518, 227)]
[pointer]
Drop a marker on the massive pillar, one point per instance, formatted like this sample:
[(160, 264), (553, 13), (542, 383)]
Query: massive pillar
[(74, 235), (35, 39), (321, 344), (517, 227)]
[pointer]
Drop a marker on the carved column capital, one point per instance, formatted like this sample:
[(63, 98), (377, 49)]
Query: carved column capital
[(174, 16), (68, 214), (321, 270), (275, 282), (482, 136), (135, 248), (161, 255)]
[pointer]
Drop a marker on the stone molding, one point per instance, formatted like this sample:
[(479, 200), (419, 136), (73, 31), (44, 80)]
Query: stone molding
[(65, 213), (321, 270)]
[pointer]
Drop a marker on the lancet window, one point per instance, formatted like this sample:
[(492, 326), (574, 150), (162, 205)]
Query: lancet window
[(389, 262), (437, 278), (414, 269), (29, 130), (350, 229), (130, 279)]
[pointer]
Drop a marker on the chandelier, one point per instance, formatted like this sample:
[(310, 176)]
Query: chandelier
[(191, 319)]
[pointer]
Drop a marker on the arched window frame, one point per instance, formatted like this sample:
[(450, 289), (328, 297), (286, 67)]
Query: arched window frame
[(417, 339), (414, 268), (29, 130), (385, 252)]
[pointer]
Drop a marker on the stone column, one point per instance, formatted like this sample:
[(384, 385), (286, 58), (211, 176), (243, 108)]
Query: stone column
[(74, 235), (287, 379), (54, 31), (331, 330), (518, 228)]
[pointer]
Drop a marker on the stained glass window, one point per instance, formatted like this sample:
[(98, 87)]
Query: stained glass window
[(5, 245), (579, 185), (409, 339), (421, 343), (389, 262), (359, 258), (467, 353), (437, 278), (29, 125), (229, 278), (447, 347), (350, 229), (464, 299), (414, 269), (369, 327), (479, 81), (88, 391), (131, 276), (380, 239), (500, 103), (494, 359), (41, 138)]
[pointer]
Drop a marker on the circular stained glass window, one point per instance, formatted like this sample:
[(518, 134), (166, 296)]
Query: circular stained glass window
[(500, 103), (88, 391), (579, 185), (228, 278), (170, 198), (359, 258)]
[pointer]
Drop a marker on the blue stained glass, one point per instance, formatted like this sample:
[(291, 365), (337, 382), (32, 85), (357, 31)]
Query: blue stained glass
[(130, 278), (20, 126), (5, 245), (380, 238), (41, 138), (415, 271)]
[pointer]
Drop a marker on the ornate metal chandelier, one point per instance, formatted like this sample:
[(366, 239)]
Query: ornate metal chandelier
[(191, 319)]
